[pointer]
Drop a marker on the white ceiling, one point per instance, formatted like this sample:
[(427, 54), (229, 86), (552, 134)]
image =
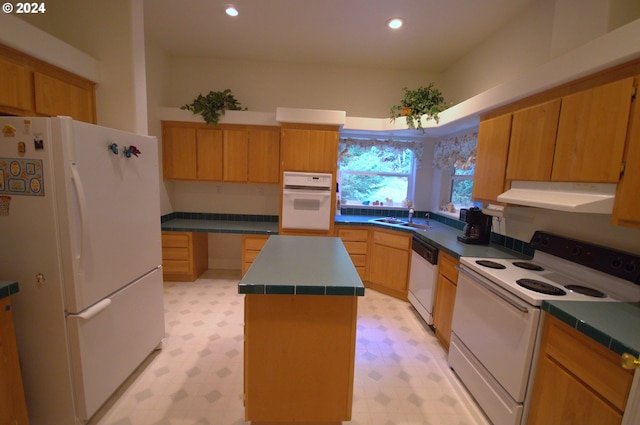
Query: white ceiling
[(329, 32)]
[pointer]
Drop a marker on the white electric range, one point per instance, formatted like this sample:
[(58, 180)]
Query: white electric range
[(497, 319)]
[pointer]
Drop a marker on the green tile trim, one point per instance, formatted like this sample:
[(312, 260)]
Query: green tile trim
[(8, 289), (310, 290), (341, 290), (280, 290), (251, 289), (594, 333)]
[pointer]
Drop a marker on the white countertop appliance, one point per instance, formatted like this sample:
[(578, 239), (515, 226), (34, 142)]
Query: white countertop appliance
[(80, 226), (496, 319), (306, 201), (423, 278)]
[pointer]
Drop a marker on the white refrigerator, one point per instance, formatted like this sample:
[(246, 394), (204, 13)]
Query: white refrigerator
[(80, 232)]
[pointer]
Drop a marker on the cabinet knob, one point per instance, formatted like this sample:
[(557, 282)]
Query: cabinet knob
[(630, 362)]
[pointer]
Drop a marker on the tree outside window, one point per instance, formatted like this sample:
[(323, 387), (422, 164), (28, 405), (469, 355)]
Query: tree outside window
[(461, 187), (376, 173)]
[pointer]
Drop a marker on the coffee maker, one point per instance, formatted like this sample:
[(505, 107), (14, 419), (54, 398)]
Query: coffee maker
[(477, 230)]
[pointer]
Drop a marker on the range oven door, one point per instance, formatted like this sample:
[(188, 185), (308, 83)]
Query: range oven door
[(493, 343), (306, 209)]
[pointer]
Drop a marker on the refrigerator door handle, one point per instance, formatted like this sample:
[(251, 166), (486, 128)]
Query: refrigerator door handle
[(93, 310), (82, 202)]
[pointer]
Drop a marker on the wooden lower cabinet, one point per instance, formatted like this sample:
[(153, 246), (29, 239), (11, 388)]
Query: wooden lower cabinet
[(389, 264), (578, 380), (251, 247), (299, 353), (355, 240), (13, 410), (445, 297), (185, 255)]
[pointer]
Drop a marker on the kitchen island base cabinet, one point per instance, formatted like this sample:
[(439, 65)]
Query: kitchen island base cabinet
[(299, 358)]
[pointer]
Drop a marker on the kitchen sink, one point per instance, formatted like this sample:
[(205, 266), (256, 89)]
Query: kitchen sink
[(417, 225), (389, 220)]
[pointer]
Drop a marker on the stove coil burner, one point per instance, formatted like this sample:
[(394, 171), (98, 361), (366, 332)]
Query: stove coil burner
[(586, 291), (490, 264), (528, 266), (542, 287)]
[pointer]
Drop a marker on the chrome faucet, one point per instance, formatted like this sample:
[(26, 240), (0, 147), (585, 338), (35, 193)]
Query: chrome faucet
[(410, 215), (426, 216)]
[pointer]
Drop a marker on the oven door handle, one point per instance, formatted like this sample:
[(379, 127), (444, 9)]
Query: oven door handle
[(488, 285)]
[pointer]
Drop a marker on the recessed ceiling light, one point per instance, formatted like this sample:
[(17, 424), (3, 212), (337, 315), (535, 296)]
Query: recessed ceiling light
[(395, 23), (231, 11)]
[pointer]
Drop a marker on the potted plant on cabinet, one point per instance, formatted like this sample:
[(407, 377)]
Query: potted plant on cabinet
[(416, 103), (213, 105)]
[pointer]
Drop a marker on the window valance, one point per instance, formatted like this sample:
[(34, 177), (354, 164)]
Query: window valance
[(397, 145), (456, 151)]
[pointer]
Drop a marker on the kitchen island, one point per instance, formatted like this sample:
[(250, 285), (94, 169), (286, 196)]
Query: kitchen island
[(300, 328)]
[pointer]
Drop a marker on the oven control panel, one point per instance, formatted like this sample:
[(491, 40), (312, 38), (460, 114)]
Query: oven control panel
[(607, 260)]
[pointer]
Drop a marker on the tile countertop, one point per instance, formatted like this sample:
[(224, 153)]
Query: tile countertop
[(302, 265), (8, 288), (220, 226), (440, 235), (616, 325)]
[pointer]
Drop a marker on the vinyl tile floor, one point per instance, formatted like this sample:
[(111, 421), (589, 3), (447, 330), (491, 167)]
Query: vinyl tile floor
[(401, 373)]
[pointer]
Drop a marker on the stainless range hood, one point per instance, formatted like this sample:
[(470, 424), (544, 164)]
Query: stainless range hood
[(596, 198)]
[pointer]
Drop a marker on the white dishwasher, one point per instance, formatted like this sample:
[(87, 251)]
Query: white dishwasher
[(423, 278)]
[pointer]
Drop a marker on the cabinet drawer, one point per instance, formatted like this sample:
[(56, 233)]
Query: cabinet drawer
[(254, 243), (595, 365), (355, 247), (250, 256), (358, 259), (175, 266), (353, 234), (175, 253), (391, 240), (175, 239), (447, 267)]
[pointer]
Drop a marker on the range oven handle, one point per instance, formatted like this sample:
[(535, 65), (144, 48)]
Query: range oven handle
[(488, 285)]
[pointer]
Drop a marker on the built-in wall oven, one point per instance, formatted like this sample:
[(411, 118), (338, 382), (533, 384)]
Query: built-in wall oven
[(497, 319), (306, 201)]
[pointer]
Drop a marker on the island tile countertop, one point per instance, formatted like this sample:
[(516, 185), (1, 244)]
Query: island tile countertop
[(302, 265), (616, 325), (8, 288)]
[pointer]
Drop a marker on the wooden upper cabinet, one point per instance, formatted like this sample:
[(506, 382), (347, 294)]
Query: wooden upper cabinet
[(532, 142), (16, 90), (625, 208), (264, 154), (236, 155), (179, 154), (592, 133), (31, 87), (54, 96), (209, 148), (309, 148), (491, 158)]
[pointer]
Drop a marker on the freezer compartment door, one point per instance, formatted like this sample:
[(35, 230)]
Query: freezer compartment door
[(110, 339)]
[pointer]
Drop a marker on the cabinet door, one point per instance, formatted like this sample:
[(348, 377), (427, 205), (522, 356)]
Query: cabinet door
[(491, 158), (592, 132), (532, 142), (388, 268), (16, 90), (559, 398), (625, 208), (235, 154), (313, 150), (12, 405), (209, 154), (57, 97), (179, 153), (443, 309), (264, 155)]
